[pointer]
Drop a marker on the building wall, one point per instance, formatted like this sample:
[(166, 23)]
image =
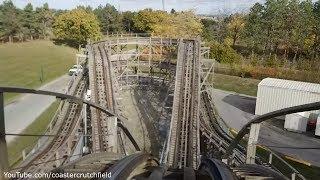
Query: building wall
[(270, 98)]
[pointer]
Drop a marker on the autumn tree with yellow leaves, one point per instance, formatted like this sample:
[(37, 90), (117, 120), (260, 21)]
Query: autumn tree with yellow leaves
[(235, 29), (77, 25), (174, 25)]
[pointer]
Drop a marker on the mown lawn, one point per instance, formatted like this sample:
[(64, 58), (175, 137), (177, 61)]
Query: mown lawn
[(21, 64), (38, 126), (236, 84), (309, 172)]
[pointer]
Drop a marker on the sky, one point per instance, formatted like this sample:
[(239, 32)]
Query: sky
[(200, 6)]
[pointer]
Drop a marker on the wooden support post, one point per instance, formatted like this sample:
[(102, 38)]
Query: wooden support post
[(24, 154), (118, 56), (138, 65), (4, 164), (220, 146), (85, 121), (161, 46), (39, 143), (50, 126), (69, 145), (57, 159), (149, 59), (270, 158), (232, 158), (113, 130), (253, 139)]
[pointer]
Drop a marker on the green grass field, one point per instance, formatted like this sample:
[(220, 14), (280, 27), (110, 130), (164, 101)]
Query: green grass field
[(38, 126), (309, 172), (21, 64), (236, 84)]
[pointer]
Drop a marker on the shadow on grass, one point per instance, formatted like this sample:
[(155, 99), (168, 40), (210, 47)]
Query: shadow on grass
[(68, 42)]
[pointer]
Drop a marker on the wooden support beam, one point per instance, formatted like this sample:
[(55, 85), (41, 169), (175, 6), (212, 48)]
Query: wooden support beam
[(252, 143)]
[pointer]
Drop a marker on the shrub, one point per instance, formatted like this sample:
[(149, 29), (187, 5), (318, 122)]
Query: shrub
[(260, 72), (224, 53)]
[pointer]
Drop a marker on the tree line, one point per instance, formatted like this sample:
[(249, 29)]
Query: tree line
[(27, 23), (290, 28), (279, 38), (84, 22), (283, 33)]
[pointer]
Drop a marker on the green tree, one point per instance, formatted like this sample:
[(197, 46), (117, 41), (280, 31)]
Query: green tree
[(305, 31), (224, 53), (292, 25), (77, 26), (10, 25), (316, 12), (45, 18), (215, 29), (29, 22), (286, 25), (254, 27), (128, 21), (209, 32), (110, 19), (274, 23)]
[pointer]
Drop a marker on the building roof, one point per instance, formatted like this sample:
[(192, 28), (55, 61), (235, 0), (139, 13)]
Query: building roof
[(288, 84)]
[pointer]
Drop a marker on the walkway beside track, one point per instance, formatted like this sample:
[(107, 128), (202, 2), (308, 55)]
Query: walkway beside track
[(26, 108)]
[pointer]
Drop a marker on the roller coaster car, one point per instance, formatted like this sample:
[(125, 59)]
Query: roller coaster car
[(144, 166)]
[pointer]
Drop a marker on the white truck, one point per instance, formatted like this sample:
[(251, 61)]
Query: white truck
[(76, 69)]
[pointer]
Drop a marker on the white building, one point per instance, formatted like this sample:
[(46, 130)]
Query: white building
[(274, 94)]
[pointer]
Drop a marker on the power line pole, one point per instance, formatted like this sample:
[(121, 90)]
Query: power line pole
[(163, 7)]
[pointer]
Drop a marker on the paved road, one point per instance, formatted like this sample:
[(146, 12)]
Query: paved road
[(236, 110), (23, 111)]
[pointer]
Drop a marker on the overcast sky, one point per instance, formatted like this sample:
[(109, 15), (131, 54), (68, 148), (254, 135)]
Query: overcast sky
[(200, 6)]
